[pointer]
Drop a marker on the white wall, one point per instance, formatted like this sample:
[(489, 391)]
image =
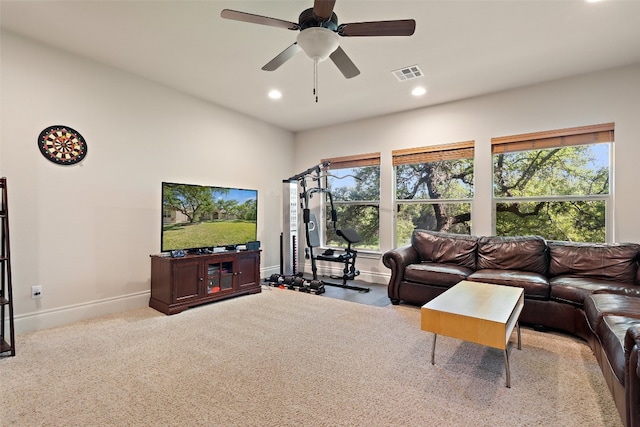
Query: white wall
[(607, 96), (85, 232)]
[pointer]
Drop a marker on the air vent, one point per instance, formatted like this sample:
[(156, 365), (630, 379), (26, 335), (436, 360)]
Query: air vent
[(408, 73)]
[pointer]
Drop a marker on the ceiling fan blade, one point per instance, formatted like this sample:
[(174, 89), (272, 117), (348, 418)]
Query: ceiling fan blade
[(402, 27), (282, 57), (344, 63), (323, 9), (258, 19)]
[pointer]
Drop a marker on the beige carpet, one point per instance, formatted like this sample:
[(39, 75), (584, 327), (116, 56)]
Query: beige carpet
[(283, 358)]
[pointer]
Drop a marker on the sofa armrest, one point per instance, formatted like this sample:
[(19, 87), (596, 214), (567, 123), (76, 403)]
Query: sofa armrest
[(632, 375), (397, 260)]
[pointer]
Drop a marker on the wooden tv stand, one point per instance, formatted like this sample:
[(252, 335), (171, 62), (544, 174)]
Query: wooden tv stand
[(180, 283)]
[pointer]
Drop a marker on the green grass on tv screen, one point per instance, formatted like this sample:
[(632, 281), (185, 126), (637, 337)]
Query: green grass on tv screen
[(207, 234)]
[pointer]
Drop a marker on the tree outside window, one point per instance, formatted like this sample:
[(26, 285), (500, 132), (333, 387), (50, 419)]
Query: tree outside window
[(354, 183), (434, 189), (554, 186)]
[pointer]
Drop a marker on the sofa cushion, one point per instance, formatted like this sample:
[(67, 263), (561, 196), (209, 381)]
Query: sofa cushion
[(574, 289), (430, 273), (447, 248), (524, 253), (602, 261), (598, 305), (611, 333), (535, 285)]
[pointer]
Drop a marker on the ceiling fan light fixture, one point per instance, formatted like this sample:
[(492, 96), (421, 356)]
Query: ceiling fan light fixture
[(318, 42)]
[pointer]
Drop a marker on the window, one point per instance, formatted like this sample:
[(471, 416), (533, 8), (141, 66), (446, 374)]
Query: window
[(556, 184), (434, 189), (354, 183)]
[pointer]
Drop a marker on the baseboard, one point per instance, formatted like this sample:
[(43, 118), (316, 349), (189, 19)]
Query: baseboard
[(328, 269), (365, 276), (45, 319), (59, 316), (268, 271)]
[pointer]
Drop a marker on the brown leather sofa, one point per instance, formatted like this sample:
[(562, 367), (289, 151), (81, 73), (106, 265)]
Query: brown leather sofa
[(585, 289)]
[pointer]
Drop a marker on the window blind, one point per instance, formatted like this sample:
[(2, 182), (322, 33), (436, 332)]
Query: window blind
[(433, 153), (359, 160), (555, 138)]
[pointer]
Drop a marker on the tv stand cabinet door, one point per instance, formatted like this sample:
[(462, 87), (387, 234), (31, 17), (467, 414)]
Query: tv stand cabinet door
[(247, 270), (187, 281)]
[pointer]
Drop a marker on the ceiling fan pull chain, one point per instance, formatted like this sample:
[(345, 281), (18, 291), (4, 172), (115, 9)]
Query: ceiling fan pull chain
[(315, 78)]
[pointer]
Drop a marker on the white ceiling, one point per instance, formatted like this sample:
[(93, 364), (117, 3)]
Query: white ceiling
[(465, 48)]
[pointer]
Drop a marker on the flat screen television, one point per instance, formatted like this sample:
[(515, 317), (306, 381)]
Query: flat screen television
[(204, 217)]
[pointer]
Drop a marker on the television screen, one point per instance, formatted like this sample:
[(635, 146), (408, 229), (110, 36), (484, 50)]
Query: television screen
[(197, 216)]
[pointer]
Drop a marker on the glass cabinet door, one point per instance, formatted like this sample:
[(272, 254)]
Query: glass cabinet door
[(219, 277), (213, 278), (226, 276)]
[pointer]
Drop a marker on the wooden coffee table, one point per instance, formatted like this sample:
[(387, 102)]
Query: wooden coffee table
[(477, 312)]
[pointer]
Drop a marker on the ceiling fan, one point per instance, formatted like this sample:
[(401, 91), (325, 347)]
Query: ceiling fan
[(320, 33)]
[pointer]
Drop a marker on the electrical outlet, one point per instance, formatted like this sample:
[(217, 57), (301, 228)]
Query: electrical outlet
[(36, 292)]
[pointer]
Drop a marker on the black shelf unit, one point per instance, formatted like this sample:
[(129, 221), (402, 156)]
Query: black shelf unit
[(7, 335)]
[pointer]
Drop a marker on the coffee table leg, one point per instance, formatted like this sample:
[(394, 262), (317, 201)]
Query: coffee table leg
[(506, 364), (506, 355), (433, 350)]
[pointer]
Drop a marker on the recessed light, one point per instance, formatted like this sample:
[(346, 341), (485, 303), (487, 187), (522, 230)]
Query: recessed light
[(418, 91), (275, 94)]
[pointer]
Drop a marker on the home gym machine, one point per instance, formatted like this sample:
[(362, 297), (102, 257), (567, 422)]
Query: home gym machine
[(289, 277)]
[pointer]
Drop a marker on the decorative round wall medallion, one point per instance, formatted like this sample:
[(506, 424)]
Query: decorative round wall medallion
[(62, 145)]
